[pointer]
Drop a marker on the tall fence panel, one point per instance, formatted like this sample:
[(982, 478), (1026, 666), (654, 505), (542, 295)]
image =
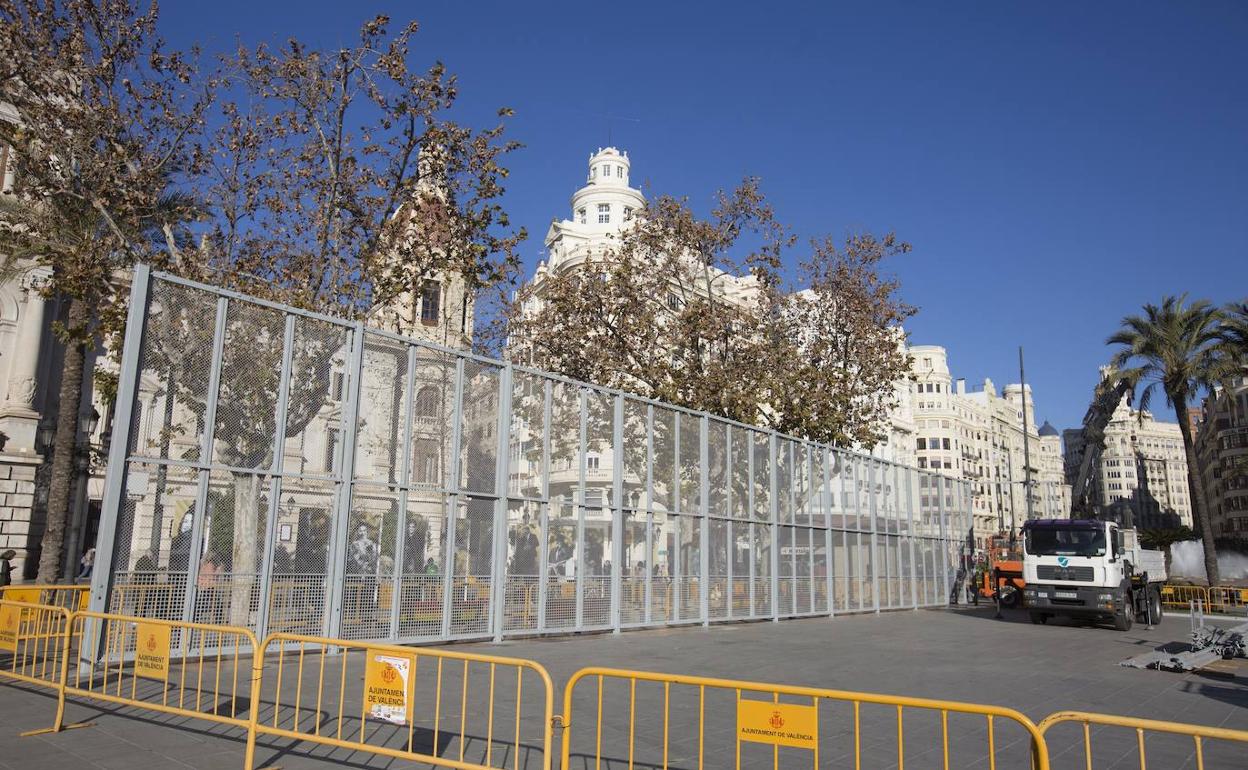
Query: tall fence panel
[(289, 472)]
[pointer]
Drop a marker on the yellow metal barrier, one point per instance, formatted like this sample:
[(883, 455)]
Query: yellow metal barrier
[(32, 638), (1179, 597), (766, 724), (70, 597), (373, 709), (1227, 600), (187, 669), (1198, 733)]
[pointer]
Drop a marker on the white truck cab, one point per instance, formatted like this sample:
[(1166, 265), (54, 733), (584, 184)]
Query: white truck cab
[(1092, 569)]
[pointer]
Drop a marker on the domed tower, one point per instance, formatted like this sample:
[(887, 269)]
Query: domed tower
[(606, 201)]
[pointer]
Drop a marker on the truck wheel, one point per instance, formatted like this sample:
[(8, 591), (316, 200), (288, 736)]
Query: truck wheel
[(1125, 615), (1039, 618), (1154, 607)]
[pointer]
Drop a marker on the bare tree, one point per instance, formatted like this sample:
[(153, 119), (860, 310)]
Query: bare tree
[(103, 118), (696, 312)]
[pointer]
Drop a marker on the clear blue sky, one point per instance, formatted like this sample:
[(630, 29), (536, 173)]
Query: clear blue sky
[(1055, 165)]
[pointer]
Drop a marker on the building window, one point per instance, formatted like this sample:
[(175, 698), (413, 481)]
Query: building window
[(593, 172), (619, 172), (591, 462), (604, 213), (628, 213), (427, 402), (331, 447), (922, 443), (580, 216), (336, 380), (673, 302), (431, 303), (426, 462)]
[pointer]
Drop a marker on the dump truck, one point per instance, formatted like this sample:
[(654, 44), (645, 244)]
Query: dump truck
[(1093, 569)]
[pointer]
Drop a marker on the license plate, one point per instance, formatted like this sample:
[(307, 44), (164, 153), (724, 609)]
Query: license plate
[(1065, 594)]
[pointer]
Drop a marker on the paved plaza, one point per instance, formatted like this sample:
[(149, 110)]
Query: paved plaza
[(962, 655)]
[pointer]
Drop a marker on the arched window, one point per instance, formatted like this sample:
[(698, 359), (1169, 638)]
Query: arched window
[(427, 402)]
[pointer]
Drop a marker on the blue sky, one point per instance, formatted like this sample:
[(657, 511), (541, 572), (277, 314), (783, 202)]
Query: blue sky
[(1055, 165)]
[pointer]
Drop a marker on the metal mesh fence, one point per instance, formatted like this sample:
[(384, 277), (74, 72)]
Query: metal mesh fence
[(293, 473)]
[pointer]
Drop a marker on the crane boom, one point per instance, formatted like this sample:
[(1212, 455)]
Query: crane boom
[(1105, 399)]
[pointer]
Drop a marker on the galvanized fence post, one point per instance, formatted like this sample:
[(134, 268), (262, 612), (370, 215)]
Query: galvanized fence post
[(123, 411), (452, 499), (275, 496), (774, 502), (704, 502), (617, 511), (502, 481), (200, 519), (335, 569)]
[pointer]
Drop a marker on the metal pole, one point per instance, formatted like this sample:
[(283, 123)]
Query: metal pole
[(1026, 442), (275, 495), (543, 552), (704, 588), (875, 552), (114, 479), (617, 513), (337, 566), (205, 449), (578, 499), (502, 473), (452, 483), (405, 480), (775, 529), (730, 524)]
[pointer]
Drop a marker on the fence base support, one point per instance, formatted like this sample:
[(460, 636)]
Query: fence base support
[(62, 728)]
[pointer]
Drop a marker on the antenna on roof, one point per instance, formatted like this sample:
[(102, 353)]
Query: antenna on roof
[(611, 117)]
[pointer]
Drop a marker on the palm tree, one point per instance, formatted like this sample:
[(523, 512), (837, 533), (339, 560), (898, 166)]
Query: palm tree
[(1178, 346)]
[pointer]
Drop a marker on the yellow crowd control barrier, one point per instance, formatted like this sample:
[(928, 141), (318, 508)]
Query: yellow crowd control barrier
[(70, 597), (477, 712), (441, 707), (32, 639), (1198, 734), (1226, 600), (172, 667), (785, 719)]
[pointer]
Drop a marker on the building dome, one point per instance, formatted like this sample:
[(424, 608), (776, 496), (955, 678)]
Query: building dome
[(606, 202), (1047, 429)]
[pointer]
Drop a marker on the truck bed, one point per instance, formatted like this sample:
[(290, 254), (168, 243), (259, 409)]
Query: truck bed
[(1152, 562)]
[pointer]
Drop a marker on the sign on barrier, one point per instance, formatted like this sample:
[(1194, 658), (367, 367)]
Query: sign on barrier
[(10, 620), (438, 707), (783, 724), (151, 656), (650, 717), (387, 678)]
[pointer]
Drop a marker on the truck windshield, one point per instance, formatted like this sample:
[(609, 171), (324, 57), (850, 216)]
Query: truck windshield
[(1051, 541)]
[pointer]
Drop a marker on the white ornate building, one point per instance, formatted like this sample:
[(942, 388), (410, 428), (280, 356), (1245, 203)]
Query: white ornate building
[(978, 436)]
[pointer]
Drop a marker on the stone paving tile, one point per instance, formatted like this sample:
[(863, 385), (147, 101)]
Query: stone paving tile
[(954, 655)]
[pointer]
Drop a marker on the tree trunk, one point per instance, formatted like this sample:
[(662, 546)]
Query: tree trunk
[(61, 482), (243, 569), (1196, 491)]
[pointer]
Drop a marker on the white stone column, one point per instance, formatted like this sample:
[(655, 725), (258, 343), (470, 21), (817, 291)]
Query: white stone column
[(18, 418), (20, 391)]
